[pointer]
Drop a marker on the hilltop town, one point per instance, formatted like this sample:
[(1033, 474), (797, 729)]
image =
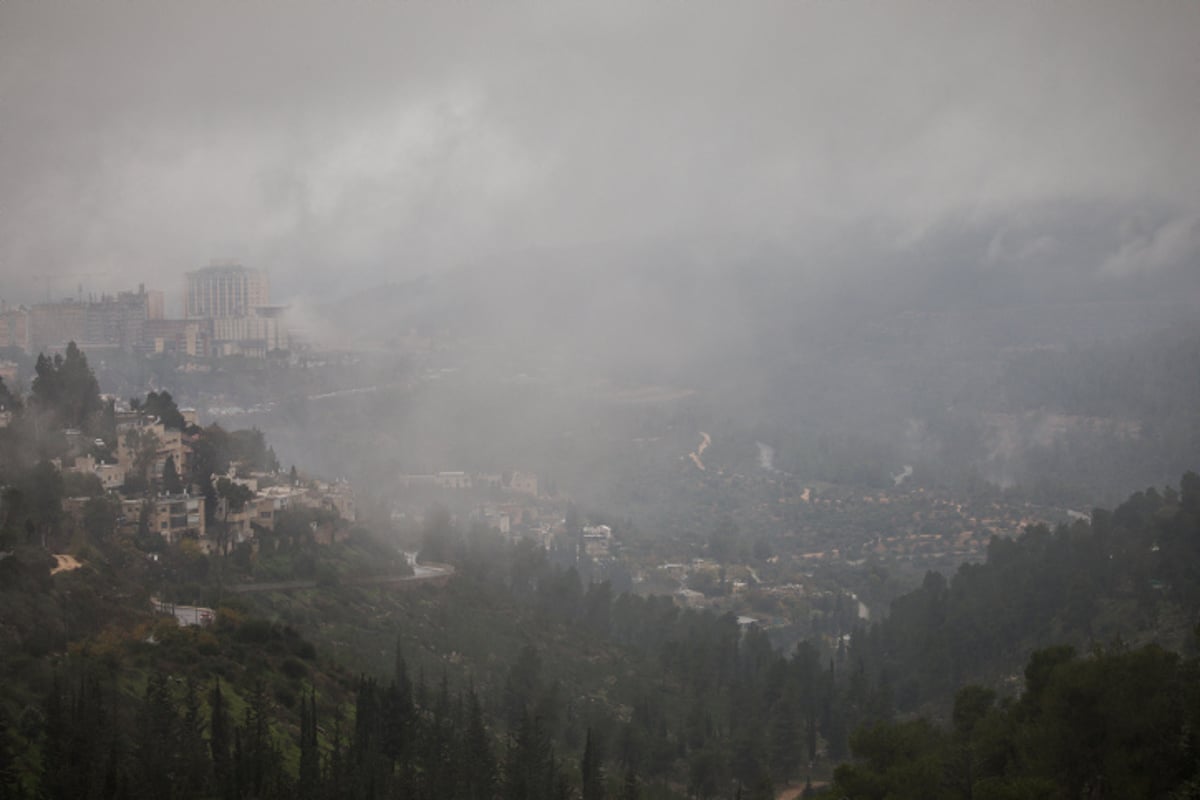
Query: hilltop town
[(226, 311)]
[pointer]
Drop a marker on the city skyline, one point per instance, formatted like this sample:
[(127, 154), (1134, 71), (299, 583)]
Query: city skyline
[(230, 314)]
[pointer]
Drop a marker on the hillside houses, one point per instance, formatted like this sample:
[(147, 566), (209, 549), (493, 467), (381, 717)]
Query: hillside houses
[(525, 483), (174, 517), (597, 541), (146, 443), (265, 505), (111, 476)]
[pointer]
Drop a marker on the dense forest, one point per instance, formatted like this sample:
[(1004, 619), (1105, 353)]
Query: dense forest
[(673, 702), (1116, 723)]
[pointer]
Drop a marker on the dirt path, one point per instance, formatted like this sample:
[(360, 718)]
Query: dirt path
[(66, 563), (705, 441)]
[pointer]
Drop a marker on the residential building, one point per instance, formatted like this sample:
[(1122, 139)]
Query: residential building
[(112, 476), (154, 304), (170, 444), (178, 337), (223, 291), (438, 480), (256, 334), (597, 541), (15, 329), (172, 516), (111, 321), (524, 482), (53, 325), (178, 515), (116, 321), (336, 497)]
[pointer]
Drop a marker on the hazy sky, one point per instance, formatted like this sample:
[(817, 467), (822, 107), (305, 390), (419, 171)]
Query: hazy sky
[(363, 141)]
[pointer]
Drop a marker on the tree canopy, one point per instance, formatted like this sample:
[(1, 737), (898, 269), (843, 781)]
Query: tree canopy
[(66, 388)]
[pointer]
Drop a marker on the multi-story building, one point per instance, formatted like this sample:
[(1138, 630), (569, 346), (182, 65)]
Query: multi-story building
[(235, 302), (15, 328), (112, 321), (224, 291), (155, 307), (53, 325), (254, 335), (165, 442), (112, 476), (178, 337), (596, 541), (116, 321), (172, 516), (178, 515), (524, 482)]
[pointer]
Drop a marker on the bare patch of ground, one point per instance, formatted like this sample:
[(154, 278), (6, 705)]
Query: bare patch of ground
[(66, 563)]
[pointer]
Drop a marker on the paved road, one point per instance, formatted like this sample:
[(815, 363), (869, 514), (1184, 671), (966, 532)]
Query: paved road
[(421, 573), (187, 615), (199, 615)]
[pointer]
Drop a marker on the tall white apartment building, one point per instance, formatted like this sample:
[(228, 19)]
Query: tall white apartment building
[(225, 291)]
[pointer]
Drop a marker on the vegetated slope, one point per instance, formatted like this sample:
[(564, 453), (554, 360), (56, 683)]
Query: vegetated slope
[(642, 693), (1131, 575), (536, 675), (1116, 723)]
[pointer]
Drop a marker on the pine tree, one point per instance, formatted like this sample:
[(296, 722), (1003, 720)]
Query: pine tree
[(590, 767), (370, 766), (8, 773), (479, 762), (399, 718), (196, 766), (337, 780), (55, 766), (524, 772), (786, 744), (156, 753), (308, 787), (437, 745), (66, 387), (257, 750), (218, 743), (521, 686), (630, 789)]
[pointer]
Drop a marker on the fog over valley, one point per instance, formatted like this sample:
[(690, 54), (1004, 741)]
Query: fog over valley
[(607, 400)]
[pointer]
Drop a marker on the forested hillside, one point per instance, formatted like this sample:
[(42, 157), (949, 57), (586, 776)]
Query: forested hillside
[(556, 689), (520, 679), (1117, 723), (1129, 575)]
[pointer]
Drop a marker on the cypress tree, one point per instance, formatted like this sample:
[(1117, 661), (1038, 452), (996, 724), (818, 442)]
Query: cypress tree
[(592, 776), (156, 753), (310, 765), (8, 773), (196, 766), (218, 743), (629, 787), (480, 763)]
